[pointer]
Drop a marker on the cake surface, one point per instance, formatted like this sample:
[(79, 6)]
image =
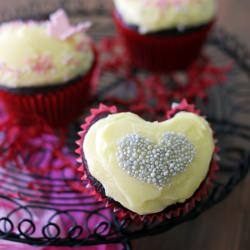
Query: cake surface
[(157, 15), (43, 53), (107, 149)]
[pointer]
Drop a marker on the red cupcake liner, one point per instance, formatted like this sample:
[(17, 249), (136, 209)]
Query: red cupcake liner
[(56, 107), (161, 53), (120, 211)]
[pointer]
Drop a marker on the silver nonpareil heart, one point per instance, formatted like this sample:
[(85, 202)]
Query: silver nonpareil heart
[(155, 163)]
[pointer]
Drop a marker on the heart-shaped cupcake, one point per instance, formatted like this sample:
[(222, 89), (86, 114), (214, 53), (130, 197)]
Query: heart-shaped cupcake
[(146, 167)]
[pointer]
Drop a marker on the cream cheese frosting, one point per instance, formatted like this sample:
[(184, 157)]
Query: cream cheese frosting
[(157, 15), (32, 56), (100, 150)]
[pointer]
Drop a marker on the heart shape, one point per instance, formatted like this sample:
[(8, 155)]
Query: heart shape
[(102, 141), (155, 163)]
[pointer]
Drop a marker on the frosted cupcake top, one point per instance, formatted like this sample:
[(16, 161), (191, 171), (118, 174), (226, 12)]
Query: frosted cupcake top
[(43, 53), (157, 15), (147, 166)]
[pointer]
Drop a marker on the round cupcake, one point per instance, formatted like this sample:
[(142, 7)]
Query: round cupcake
[(46, 68), (164, 35), (139, 168)]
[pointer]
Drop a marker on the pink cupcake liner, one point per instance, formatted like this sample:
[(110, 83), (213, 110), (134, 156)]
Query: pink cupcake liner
[(118, 209)]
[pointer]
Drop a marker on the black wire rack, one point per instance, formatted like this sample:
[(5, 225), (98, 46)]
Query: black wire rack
[(58, 215)]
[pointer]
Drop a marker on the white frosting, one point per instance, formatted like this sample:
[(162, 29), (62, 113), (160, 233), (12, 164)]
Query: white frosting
[(30, 56), (157, 15), (100, 148)]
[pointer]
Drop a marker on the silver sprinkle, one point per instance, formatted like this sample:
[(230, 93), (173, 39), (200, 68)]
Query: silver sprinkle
[(155, 163)]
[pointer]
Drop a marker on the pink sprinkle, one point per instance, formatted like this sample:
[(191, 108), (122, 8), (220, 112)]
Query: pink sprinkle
[(41, 64), (80, 46)]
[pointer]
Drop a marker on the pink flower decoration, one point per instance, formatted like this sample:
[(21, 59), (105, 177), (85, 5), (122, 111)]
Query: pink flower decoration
[(60, 27)]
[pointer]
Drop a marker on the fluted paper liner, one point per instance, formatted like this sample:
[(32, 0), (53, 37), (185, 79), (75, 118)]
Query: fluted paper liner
[(162, 53), (121, 212)]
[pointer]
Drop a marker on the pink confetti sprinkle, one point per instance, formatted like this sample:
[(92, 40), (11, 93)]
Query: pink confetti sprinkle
[(60, 27), (81, 46), (41, 64)]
